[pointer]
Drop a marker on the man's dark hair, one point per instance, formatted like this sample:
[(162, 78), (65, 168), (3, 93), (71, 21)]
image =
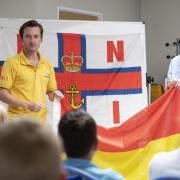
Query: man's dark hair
[(78, 131), (31, 23)]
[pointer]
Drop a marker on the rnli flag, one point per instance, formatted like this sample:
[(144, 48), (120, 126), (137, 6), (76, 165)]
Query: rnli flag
[(101, 74)]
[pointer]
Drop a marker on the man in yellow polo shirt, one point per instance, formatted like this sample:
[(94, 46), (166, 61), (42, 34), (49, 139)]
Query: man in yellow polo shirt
[(27, 77)]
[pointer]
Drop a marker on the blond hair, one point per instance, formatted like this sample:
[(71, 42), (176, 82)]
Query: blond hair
[(29, 151)]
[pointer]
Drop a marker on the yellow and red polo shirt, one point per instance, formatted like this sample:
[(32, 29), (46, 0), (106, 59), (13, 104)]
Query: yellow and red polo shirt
[(29, 83)]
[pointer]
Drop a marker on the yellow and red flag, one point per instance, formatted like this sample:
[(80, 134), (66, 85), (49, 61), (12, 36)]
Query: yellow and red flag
[(128, 148)]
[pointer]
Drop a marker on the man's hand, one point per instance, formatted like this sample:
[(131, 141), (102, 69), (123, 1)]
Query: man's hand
[(58, 94), (6, 97), (55, 94), (171, 83), (177, 85), (34, 107)]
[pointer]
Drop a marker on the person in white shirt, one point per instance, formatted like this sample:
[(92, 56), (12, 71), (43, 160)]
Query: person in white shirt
[(165, 164), (173, 75)]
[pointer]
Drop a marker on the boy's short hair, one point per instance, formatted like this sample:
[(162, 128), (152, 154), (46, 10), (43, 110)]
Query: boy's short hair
[(78, 131)]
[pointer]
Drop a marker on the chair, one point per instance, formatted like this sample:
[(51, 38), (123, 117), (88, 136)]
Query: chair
[(78, 174)]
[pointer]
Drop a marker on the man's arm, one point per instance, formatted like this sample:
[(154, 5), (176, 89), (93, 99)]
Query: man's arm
[(6, 97), (53, 85)]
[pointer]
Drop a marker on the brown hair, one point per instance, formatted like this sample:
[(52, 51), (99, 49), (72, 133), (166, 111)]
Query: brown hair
[(78, 131), (31, 23)]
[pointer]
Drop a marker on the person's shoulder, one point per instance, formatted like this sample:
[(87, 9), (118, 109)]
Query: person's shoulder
[(163, 159), (176, 58), (91, 168), (111, 174), (157, 165), (164, 163), (46, 61), (156, 158), (173, 156), (104, 174), (12, 60), (164, 156)]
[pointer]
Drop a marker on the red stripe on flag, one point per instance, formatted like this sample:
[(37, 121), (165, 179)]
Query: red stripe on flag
[(19, 44), (71, 47), (116, 113), (72, 44), (115, 81)]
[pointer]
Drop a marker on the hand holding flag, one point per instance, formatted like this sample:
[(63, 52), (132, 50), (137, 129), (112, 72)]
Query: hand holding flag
[(58, 94)]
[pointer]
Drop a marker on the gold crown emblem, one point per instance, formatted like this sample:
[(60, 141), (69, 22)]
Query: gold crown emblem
[(72, 63)]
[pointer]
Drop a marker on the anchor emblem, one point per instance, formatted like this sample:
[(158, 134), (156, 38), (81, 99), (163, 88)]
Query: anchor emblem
[(73, 92)]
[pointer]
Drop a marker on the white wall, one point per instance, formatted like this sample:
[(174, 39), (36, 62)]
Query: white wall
[(162, 18), (17, 9), (114, 10)]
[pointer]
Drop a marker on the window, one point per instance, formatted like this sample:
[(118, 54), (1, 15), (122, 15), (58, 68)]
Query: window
[(64, 13)]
